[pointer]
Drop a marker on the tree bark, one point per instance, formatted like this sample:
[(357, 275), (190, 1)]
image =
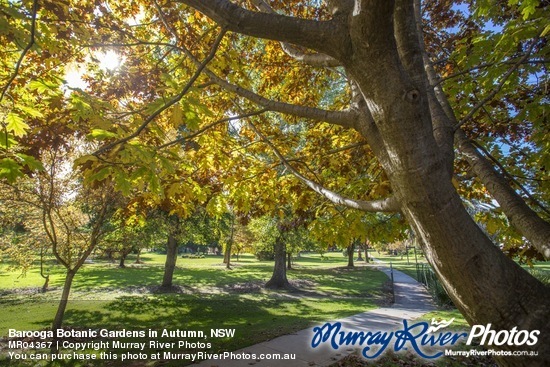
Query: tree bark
[(170, 264), (278, 279), (288, 261), (227, 255), (121, 261), (351, 252), (521, 217), (484, 284), (58, 320), (46, 283), (524, 219)]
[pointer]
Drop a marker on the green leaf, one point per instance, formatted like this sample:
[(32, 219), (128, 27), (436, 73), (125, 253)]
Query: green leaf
[(84, 159), (16, 124), (31, 162), (10, 169), (192, 121), (41, 86), (101, 134), (30, 111), (6, 140), (155, 105), (101, 175), (123, 183)]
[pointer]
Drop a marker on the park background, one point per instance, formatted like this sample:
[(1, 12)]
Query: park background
[(272, 128)]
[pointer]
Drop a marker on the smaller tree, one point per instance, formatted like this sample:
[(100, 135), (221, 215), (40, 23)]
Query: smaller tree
[(72, 217)]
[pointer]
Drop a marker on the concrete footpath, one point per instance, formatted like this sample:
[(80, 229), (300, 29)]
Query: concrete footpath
[(411, 301)]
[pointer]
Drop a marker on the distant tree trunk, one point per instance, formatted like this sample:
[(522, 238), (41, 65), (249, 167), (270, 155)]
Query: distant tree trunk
[(171, 257), (110, 256), (359, 254), (46, 283), (278, 279), (138, 254), (351, 252), (229, 245), (123, 255), (46, 277), (227, 255), (58, 320), (289, 261)]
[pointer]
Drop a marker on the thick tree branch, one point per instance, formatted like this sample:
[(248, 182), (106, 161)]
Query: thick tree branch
[(327, 37), (442, 127), (523, 218), (385, 205), (312, 59), (25, 50), (507, 174), (345, 118)]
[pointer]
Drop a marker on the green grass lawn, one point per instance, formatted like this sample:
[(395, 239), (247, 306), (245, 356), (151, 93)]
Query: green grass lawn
[(209, 296)]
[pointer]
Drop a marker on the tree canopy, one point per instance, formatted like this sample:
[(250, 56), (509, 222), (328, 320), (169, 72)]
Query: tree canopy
[(356, 111)]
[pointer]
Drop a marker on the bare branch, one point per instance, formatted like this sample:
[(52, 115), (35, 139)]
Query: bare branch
[(345, 118), (25, 50), (166, 24), (171, 102), (385, 205)]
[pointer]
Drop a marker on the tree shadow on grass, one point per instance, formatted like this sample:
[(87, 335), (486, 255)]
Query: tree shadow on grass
[(254, 321)]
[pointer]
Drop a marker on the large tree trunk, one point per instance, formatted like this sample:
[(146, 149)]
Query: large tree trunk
[(121, 261), (484, 284), (58, 320), (170, 264), (278, 279)]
